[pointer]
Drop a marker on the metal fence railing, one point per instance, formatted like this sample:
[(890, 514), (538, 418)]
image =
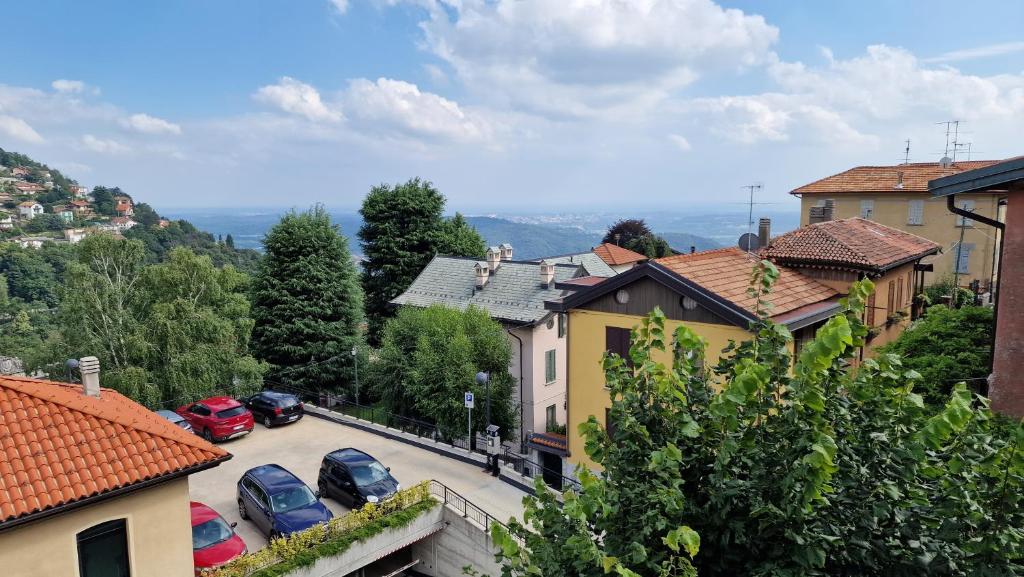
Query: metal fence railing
[(530, 469), (461, 505)]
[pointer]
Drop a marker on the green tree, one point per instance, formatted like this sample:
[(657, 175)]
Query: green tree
[(229, 241), (29, 276), (947, 346), (165, 334), (403, 228), (815, 468), (44, 223), (145, 215), (103, 200), (635, 235), (430, 356), (307, 303)]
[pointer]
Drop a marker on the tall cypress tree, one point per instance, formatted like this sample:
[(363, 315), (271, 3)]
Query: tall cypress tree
[(306, 303), (403, 228)]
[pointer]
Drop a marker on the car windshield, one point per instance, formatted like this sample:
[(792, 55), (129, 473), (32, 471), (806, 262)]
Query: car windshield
[(210, 533), (290, 499), (232, 412), (369, 473)]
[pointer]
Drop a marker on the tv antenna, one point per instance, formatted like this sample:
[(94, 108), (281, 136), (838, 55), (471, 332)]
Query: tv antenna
[(952, 129), (906, 152), (962, 146), (750, 212)]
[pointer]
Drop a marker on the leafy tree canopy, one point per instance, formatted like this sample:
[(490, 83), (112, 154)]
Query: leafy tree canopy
[(403, 228), (635, 235), (812, 469), (430, 357), (307, 303)]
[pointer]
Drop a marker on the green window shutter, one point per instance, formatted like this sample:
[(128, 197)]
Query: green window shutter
[(549, 366)]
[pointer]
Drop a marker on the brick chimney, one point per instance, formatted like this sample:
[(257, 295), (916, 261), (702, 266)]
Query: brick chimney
[(764, 232), (90, 369), (547, 274), (482, 274), (506, 251), (493, 258), (822, 213)]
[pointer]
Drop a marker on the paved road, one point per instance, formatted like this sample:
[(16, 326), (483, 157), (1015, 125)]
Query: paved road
[(299, 447)]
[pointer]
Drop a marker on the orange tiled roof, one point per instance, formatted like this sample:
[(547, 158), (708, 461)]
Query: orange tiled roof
[(887, 178), (58, 446), (614, 254), (850, 242), (550, 440), (726, 272)]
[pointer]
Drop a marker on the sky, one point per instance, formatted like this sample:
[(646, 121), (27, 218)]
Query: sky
[(505, 105)]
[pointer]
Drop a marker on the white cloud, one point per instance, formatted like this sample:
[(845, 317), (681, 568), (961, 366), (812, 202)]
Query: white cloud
[(103, 146), (18, 129), (147, 124), (680, 142), (404, 108), (978, 52), (437, 76), (340, 5), (298, 98), (65, 86)]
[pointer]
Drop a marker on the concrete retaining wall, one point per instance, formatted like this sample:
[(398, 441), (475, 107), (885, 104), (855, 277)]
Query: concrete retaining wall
[(461, 543)]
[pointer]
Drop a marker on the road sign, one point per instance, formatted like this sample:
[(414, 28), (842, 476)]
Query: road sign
[(469, 400)]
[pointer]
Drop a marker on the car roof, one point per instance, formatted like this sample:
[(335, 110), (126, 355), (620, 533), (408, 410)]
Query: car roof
[(277, 395), (201, 513), (350, 455), (170, 415), (220, 403), (274, 477)]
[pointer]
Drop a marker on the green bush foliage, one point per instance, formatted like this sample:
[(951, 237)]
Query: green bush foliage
[(946, 346), (819, 470)]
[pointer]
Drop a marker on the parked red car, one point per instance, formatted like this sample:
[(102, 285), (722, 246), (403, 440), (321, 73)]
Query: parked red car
[(214, 541), (218, 418)]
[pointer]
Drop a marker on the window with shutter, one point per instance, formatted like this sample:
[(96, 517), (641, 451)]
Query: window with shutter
[(890, 305), (549, 366), (867, 208), (871, 310), (617, 341), (915, 214), (899, 294), (963, 256)]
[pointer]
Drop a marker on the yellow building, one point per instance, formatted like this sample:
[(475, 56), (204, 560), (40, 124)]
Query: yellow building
[(93, 484), (839, 252), (897, 196), (706, 291)]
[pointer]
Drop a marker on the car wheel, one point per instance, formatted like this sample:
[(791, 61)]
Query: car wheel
[(208, 435), (322, 487), (274, 535), (266, 421), (241, 510)]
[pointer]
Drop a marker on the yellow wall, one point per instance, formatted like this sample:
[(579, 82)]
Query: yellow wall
[(159, 536), (939, 225), (586, 389), (888, 332)]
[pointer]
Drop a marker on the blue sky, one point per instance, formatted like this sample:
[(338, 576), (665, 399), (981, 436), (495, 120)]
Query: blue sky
[(511, 105)]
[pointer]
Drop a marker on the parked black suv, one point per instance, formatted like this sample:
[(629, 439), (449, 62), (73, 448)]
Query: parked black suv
[(354, 478), (274, 408)]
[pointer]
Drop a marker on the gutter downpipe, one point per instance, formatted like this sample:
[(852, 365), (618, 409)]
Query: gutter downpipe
[(1001, 226), (522, 428)]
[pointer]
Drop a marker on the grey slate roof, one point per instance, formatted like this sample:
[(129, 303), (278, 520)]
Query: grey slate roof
[(512, 294), (592, 264)]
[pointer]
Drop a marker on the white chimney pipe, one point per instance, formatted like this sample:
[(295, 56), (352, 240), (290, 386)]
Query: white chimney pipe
[(547, 273), (90, 369), (493, 258), (506, 251), (482, 273)]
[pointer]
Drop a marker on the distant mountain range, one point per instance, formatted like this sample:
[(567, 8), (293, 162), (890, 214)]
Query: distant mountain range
[(529, 240)]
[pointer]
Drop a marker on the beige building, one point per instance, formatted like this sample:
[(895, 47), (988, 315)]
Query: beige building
[(897, 196), (93, 484)]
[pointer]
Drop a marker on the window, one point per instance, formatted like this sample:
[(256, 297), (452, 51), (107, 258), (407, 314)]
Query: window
[(549, 366), (899, 293), (890, 305), (915, 214), (103, 550), (871, 310), (232, 412), (562, 320), (549, 414), (200, 410), (966, 205), (910, 288), (963, 257), (616, 341), (867, 208)]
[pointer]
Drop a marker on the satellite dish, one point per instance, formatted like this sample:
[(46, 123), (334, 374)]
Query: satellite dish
[(749, 242), (945, 162)]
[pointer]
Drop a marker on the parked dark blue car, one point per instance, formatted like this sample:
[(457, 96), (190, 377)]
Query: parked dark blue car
[(278, 502)]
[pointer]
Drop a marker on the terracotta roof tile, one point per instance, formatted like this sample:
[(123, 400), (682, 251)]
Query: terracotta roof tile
[(60, 446), (849, 243), (726, 272), (887, 178), (616, 255)]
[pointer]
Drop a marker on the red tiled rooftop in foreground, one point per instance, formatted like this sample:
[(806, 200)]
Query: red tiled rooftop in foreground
[(58, 446), (887, 178), (850, 242), (726, 272), (615, 255)]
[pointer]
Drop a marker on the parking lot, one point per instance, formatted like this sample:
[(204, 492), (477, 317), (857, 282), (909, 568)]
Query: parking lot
[(300, 446)]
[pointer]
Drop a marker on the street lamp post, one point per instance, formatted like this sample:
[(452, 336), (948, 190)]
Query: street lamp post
[(355, 358), (484, 379)]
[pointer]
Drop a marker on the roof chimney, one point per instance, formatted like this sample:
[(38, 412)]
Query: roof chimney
[(547, 273), (506, 251), (493, 258), (693, 249), (482, 274), (899, 179), (764, 232), (90, 369)]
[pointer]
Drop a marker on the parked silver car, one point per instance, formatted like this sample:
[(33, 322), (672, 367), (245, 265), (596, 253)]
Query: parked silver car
[(176, 419)]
